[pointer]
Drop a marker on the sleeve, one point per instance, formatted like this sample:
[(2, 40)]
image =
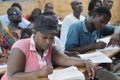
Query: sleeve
[(64, 30)]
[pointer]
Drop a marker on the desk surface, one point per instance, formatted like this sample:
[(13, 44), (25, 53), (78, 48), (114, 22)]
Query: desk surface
[(109, 53)]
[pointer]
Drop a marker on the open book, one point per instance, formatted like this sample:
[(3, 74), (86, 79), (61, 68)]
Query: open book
[(70, 73), (106, 40), (96, 57)]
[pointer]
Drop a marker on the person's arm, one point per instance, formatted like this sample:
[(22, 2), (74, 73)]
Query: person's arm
[(115, 38), (89, 47), (16, 67), (64, 60)]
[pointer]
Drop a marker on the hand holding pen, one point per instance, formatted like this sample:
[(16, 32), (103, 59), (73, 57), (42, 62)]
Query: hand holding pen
[(46, 70)]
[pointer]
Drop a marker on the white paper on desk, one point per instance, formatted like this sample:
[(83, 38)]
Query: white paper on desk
[(96, 57), (108, 48), (70, 73), (106, 40), (3, 66)]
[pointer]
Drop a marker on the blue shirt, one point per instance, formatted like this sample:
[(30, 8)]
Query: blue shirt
[(78, 35)]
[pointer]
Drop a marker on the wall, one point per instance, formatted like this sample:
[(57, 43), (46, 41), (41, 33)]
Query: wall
[(61, 7)]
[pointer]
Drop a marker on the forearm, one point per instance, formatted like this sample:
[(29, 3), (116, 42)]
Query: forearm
[(35, 75), (83, 49), (26, 76), (73, 61)]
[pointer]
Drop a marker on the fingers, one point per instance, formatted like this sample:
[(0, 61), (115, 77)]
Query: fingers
[(90, 70)]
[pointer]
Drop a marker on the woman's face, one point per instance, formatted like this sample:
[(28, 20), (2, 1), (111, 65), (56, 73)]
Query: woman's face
[(44, 41), (98, 4)]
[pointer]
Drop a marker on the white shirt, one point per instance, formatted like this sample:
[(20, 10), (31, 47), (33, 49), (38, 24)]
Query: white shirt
[(5, 21), (58, 44), (67, 21)]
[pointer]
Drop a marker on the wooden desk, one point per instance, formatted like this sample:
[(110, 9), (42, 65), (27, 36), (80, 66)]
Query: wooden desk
[(109, 53)]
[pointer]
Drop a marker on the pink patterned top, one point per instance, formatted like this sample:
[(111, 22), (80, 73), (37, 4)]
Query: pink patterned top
[(33, 60)]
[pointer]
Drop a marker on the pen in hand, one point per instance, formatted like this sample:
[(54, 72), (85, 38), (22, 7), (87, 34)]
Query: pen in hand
[(45, 60)]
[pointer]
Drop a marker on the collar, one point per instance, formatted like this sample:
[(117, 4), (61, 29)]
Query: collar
[(32, 43)]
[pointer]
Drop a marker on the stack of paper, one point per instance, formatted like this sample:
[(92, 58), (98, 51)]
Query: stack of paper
[(70, 73), (96, 57)]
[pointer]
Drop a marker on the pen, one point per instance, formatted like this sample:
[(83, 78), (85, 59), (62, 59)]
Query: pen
[(45, 60)]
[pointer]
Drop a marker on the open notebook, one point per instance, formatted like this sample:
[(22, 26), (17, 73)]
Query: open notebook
[(96, 57), (70, 73), (106, 40)]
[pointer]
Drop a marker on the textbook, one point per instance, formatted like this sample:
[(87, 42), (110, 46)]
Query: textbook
[(70, 73), (96, 57)]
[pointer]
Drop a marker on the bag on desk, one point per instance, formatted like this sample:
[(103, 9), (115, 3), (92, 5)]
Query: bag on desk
[(70, 73)]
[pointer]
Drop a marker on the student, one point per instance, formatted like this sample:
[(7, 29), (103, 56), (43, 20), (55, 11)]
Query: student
[(34, 56), (11, 33), (93, 4), (71, 18), (85, 33), (5, 21), (82, 37), (35, 13)]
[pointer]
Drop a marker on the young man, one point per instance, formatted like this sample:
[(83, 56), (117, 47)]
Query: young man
[(108, 4), (77, 8), (5, 21), (85, 33), (82, 37), (11, 33), (34, 56)]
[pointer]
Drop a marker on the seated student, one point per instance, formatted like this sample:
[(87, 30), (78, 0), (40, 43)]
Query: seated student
[(77, 8), (34, 56), (11, 33), (35, 13), (5, 21), (82, 35), (108, 29), (85, 33)]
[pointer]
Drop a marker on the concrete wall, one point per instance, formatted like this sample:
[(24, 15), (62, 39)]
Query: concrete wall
[(61, 7)]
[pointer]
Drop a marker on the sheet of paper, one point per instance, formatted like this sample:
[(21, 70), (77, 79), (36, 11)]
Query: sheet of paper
[(106, 40), (70, 73), (108, 48), (96, 57), (3, 66)]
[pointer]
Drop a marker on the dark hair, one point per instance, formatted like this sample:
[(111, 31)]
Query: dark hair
[(17, 5), (103, 10), (25, 31), (47, 23), (35, 13), (46, 5), (92, 4)]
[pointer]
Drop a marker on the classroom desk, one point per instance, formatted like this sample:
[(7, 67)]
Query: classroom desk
[(109, 53)]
